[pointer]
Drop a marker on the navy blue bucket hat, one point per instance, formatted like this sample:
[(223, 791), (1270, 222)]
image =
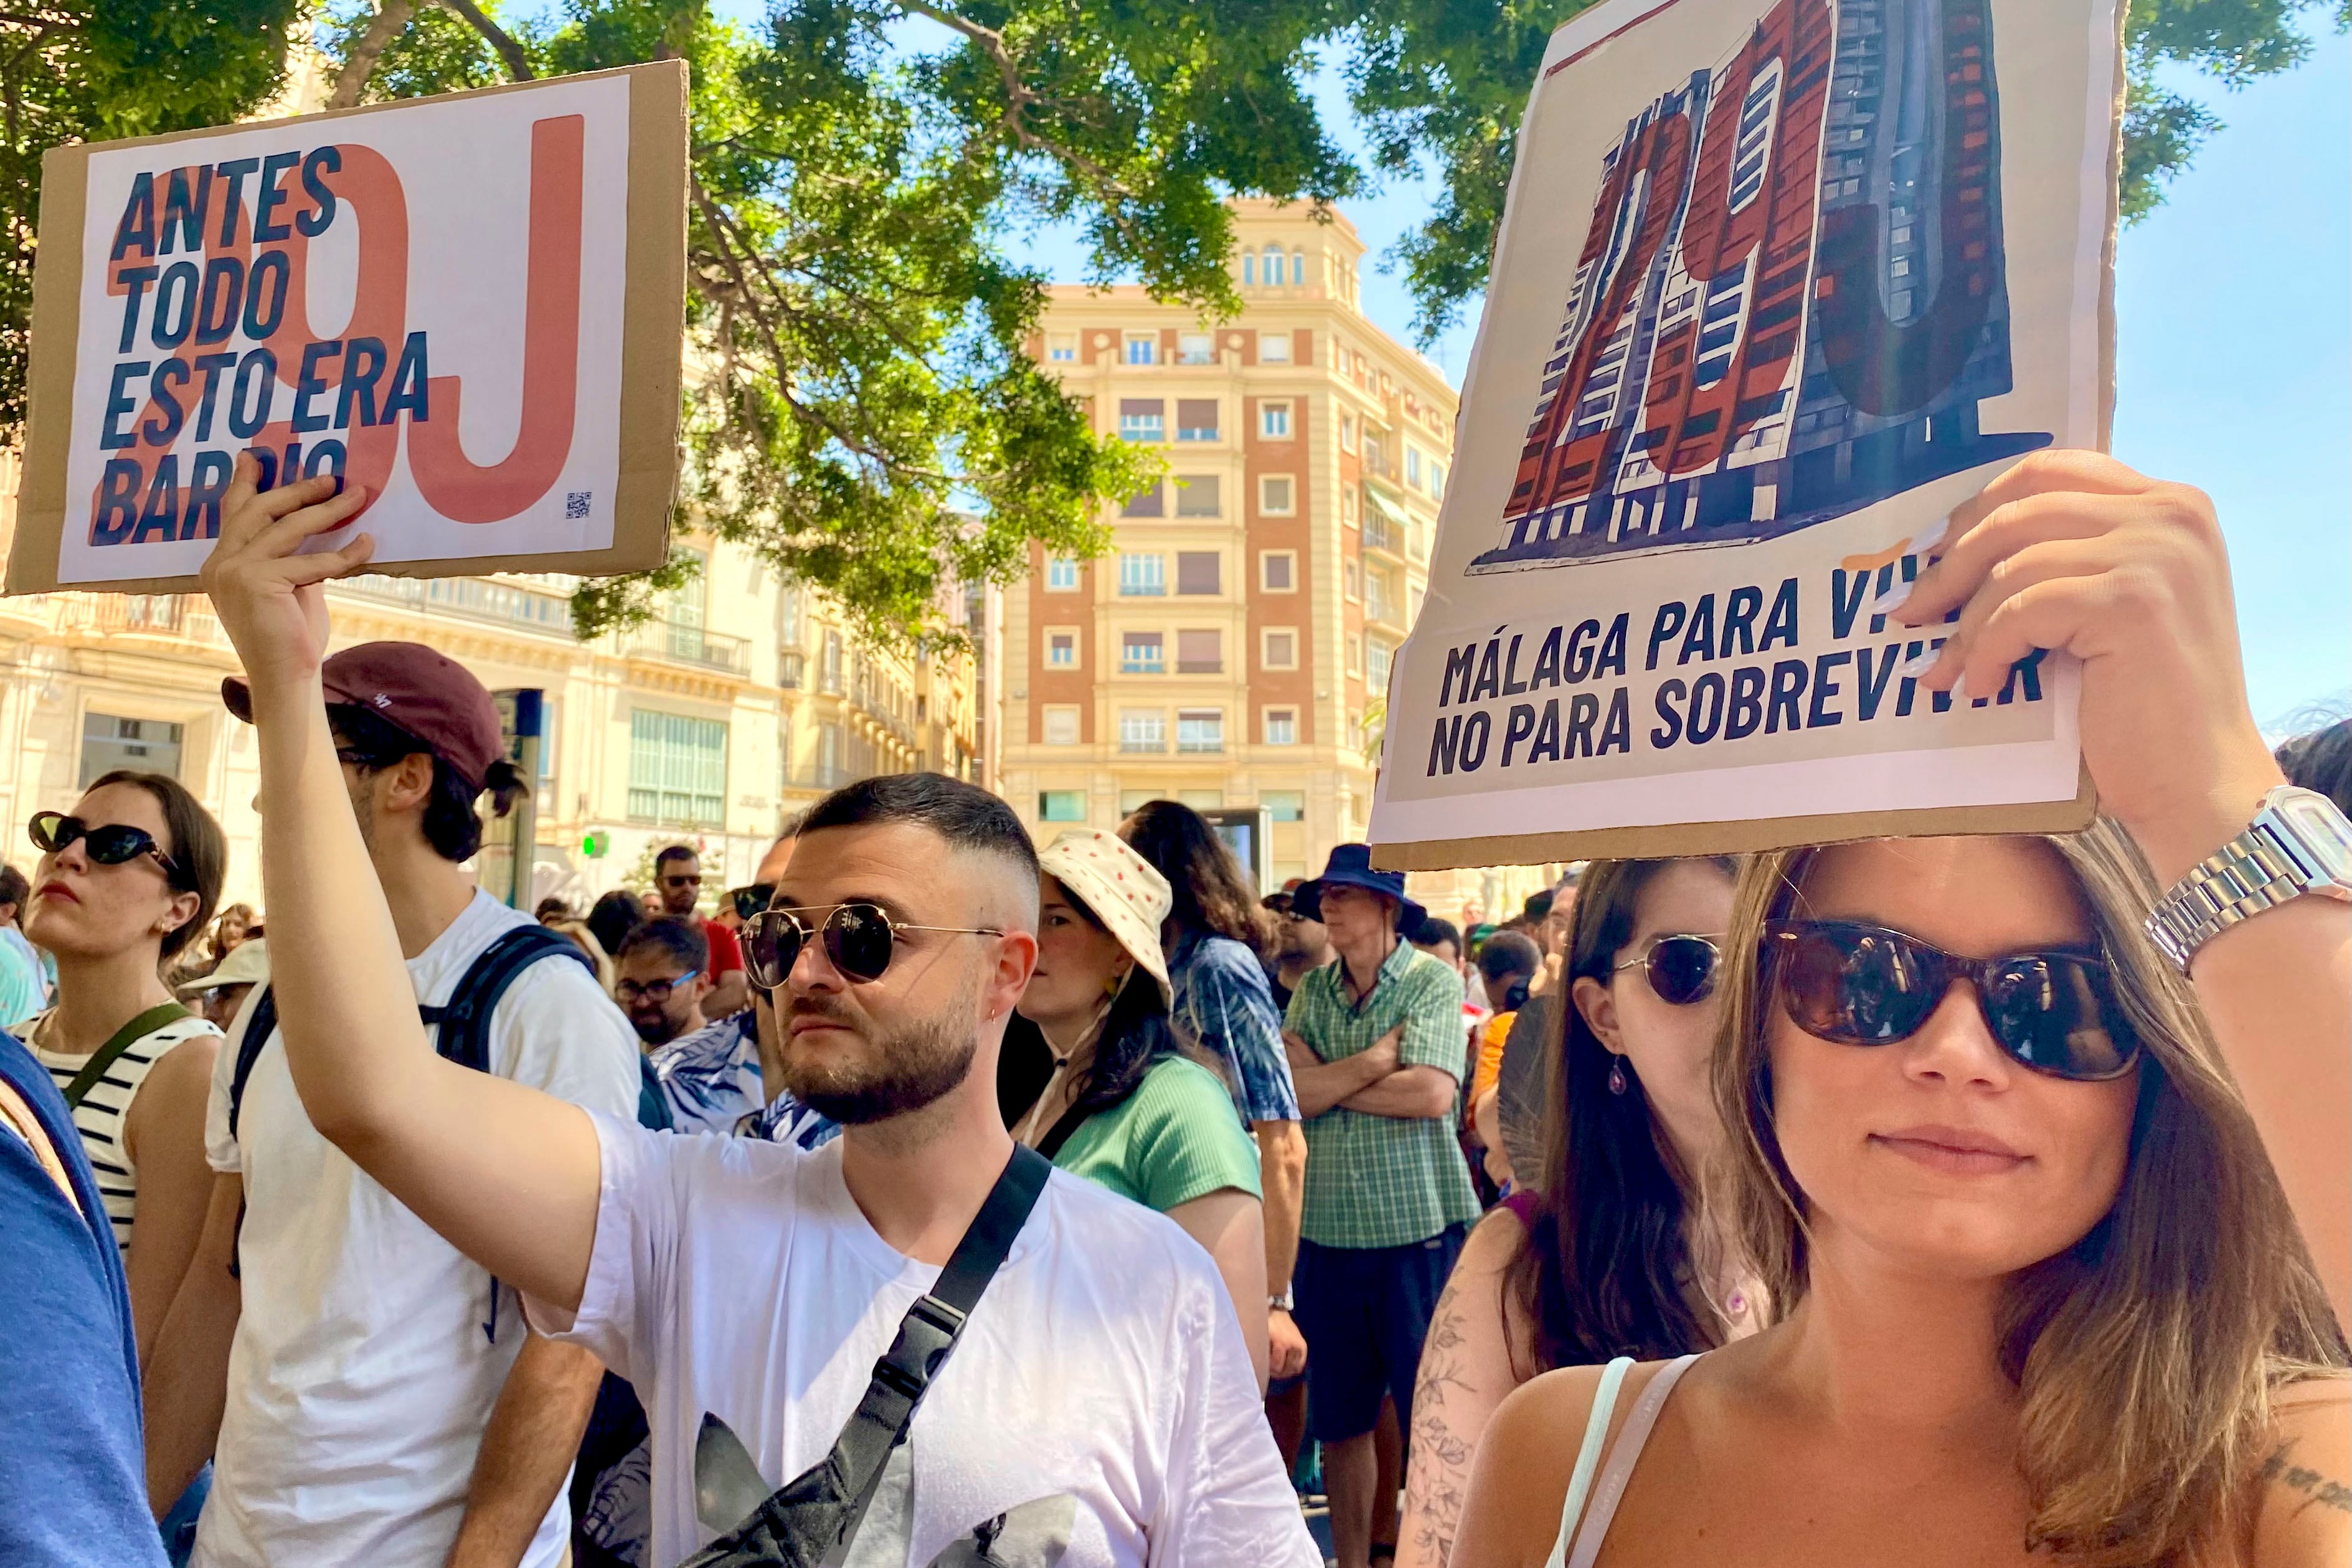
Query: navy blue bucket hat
[(1352, 867)]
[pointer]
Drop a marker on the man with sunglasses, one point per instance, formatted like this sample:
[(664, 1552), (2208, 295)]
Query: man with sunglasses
[(370, 1394), (678, 883)]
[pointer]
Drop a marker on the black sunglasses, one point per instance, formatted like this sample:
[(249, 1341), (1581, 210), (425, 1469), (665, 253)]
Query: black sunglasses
[(110, 843), (859, 941), (1680, 969), (2055, 1013), (748, 902)]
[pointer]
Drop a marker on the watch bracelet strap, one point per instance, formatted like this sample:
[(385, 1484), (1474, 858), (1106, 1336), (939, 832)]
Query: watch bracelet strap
[(2247, 876)]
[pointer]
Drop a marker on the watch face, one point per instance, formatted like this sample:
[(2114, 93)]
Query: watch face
[(2323, 832)]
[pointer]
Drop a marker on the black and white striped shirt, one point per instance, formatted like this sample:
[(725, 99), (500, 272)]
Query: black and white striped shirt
[(99, 1117)]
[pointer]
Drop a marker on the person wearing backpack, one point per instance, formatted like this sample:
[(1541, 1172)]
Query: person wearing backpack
[(369, 1394)]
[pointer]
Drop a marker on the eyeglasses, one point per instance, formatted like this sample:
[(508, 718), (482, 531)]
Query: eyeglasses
[(656, 992), (110, 842), (2055, 1013), (859, 941), (750, 900), (1680, 969)]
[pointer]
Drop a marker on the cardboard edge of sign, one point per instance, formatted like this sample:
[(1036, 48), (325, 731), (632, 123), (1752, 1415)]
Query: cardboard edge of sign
[(653, 345), (1676, 840)]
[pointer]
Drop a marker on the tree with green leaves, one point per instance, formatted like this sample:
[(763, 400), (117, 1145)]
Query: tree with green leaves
[(863, 409)]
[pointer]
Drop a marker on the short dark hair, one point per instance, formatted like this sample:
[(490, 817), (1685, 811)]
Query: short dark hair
[(1508, 953), (964, 814), (1433, 931), (450, 824), (676, 852), (2321, 761), (1538, 908), (199, 849), (674, 936), (14, 888), (614, 916)]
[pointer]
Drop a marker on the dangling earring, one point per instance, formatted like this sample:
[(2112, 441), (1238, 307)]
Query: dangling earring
[(1617, 1076)]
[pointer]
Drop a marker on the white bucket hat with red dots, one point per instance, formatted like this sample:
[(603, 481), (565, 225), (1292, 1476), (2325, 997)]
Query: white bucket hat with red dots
[(1121, 889)]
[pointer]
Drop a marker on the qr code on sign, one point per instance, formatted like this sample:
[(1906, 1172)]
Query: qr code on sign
[(575, 503)]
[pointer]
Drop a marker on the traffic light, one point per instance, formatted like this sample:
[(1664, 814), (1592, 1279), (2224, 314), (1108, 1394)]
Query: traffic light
[(594, 844)]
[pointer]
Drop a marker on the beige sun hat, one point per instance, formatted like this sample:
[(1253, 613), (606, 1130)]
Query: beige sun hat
[(247, 964), (1125, 892)]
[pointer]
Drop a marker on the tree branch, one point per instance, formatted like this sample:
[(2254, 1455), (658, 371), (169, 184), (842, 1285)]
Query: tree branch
[(518, 63), (390, 18)]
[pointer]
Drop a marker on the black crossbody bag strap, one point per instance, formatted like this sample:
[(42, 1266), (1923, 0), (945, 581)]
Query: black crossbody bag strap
[(805, 1520)]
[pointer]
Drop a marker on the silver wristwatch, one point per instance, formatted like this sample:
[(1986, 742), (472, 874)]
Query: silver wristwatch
[(2298, 843), (1281, 1303)]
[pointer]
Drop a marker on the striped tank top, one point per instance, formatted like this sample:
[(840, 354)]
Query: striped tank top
[(100, 1115)]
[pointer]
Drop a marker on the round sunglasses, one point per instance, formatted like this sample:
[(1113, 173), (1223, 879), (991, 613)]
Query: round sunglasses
[(859, 941), (106, 843), (1680, 969), (1855, 985)]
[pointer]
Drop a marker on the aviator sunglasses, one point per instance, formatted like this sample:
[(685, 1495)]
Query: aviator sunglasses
[(1855, 985), (859, 941), (108, 844), (1680, 969)]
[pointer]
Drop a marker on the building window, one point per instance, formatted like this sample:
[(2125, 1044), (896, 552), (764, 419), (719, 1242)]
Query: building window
[(1061, 649), (1145, 502), (1061, 726), (1274, 348), (1355, 641), (788, 616), (1142, 573), (1060, 574), (1062, 806), (1351, 578), (1274, 495), (792, 668), (1142, 420), (1197, 495), (1281, 727), (1348, 506), (1277, 647), (1249, 267), (1139, 653), (1144, 348), (1284, 804), (1200, 730), (147, 745), (1437, 478), (1196, 348), (1200, 652), (1412, 467), (1199, 572), (1196, 419), (1142, 730), (1131, 801), (1347, 432), (1274, 421), (1379, 598), (1062, 348), (1277, 570), (1376, 663), (677, 769), (828, 674), (1298, 269)]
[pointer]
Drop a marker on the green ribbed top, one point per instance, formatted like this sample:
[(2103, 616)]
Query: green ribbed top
[(1175, 1139)]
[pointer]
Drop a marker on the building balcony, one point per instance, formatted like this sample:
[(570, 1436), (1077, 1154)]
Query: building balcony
[(181, 616), (476, 598), (683, 644), (1384, 537)]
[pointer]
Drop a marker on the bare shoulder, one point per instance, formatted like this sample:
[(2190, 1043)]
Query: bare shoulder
[(1524, 1459), (182, 1075), (2304, 1507), (1494, 1244)]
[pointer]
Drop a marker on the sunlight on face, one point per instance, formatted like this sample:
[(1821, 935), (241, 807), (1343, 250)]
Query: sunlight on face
[(1077, 961)]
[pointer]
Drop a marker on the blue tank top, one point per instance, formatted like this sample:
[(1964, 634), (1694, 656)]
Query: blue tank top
[(78, 1496)]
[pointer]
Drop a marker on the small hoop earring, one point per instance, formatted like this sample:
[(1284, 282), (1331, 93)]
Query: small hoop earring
[(1617, 1076)]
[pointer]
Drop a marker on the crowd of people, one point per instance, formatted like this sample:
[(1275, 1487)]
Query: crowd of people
[(940, 1197)]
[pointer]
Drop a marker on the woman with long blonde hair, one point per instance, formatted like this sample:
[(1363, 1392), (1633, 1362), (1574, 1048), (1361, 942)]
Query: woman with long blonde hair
[(2029, 1207)]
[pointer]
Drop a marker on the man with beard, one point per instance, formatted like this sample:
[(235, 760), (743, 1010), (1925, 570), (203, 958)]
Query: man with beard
[(660, 977), (1100, 1394), (374, 1396)]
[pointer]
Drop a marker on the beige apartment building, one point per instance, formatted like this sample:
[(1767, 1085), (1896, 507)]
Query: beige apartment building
[(745, 700), (1234, 650)]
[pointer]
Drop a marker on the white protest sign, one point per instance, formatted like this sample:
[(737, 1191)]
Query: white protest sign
[(1778, 285), (469, 304)]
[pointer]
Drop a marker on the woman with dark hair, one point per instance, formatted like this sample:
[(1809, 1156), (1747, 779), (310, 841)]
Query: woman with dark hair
[(126, 881), (1216, 936), (2046, 1167), (1124, 1104), (1608, 1251), (613, 917)]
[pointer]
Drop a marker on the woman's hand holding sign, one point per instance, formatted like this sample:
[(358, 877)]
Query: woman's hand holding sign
[(2075, 552)]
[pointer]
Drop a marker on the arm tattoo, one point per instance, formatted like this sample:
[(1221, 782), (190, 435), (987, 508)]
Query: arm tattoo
[(1439, 1474), (2280, 1470)]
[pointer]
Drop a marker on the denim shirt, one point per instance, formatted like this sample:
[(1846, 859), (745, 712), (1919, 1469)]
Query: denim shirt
[(1225, 1007)]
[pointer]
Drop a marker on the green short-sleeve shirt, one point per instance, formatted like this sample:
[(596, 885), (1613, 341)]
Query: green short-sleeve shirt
[(1384, 1180), (1175, 1139)]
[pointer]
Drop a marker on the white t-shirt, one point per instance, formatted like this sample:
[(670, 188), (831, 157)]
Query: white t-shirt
[(360, 1378), (1102, 1379)]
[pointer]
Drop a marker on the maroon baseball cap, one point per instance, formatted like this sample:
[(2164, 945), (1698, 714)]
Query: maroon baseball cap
[(426, 694)]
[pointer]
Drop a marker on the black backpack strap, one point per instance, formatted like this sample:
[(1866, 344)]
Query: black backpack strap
[(259, 1025), (464, 1018), (820, 1509)]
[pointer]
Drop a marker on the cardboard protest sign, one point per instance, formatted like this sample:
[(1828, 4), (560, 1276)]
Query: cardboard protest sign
[(1779, 283), (472, 304)]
